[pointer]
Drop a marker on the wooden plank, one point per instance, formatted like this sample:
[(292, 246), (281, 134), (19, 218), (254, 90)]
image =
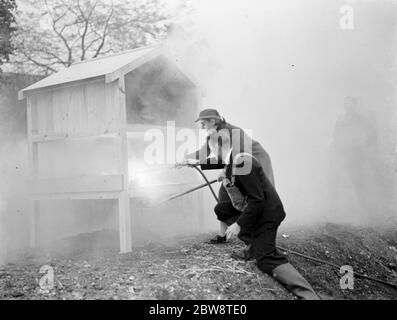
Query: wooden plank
[(57, 100), (73, 111), (125, 215), (124, 199), (96, 104), (49, 137), (33, 148), (113, 109), (49, 116), (109, 105), (100, 100), (91, 91), (22, 94), (84, 112), (63, 135), (122, 101), (124, 169), (105, 183), (61, 110), (77, 196), (125, 223), (43, 112), (29, 117), (34, 160), (34, 125), (66, 110), (43, 101), (70, 110), (76, 108), (121, 104), (33, 205), (80, 125), (33, 151), (116, 107), (41, 108)]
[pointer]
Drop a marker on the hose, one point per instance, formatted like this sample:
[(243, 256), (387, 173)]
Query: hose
[(189, 191), (206, 180), (359, 275)]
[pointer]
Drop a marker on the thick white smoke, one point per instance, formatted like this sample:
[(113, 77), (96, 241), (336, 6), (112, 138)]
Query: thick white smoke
[(283, 69)]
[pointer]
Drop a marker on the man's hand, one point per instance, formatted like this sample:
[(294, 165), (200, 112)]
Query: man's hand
[(186, 162), (222, 176), (226, 182), (233, 231)]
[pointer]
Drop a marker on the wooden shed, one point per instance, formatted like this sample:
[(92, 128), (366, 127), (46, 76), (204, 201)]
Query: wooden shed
[(109, 100)]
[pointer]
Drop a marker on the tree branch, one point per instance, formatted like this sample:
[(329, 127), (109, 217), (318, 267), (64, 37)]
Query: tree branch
[(60, 33), (39, 64), (86, 20), (98, 51)]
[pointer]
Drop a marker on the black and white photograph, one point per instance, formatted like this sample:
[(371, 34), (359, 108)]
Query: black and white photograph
[(198, 155)]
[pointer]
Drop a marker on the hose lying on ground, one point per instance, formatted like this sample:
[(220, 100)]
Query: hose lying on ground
[(359, 275)]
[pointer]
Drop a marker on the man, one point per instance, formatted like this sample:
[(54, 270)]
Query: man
[(211, 121), (259, 218), (354, 161)]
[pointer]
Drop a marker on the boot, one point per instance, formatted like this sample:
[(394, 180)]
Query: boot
[(294, 282)]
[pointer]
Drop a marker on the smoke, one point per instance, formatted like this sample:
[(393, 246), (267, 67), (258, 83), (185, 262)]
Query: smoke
[(159, 88), (283, 69), (279, 68), (13, 196)]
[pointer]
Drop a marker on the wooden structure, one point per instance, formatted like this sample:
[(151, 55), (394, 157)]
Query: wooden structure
[(114, 98)]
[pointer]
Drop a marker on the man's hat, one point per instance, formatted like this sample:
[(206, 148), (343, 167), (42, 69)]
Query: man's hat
[(209, 114)]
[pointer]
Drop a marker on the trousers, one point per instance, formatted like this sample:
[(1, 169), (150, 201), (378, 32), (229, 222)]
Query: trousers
[(262, 239)]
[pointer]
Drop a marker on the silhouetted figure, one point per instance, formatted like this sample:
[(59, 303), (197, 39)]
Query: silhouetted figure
[(354, 159)]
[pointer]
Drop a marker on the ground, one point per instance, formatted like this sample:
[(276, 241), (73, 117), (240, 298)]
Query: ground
[(89, 266)]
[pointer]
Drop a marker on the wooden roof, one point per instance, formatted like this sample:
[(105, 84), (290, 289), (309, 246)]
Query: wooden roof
[(111, 67)]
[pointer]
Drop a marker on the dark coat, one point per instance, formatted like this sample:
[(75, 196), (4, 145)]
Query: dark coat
[(264, 204), (239, 145), (262, 216)]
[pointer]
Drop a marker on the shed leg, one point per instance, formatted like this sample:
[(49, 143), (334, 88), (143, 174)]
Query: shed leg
[(34, 217), (125, 223)]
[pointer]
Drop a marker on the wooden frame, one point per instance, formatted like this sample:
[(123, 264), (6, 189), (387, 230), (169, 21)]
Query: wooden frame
[(113, 104), (80, 184), (23, 94), (82, 187)]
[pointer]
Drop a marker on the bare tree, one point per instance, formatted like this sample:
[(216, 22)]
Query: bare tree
[(56, 33), (7, 19)]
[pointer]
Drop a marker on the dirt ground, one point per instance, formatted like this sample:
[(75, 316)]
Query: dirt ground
[(89, 266)]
